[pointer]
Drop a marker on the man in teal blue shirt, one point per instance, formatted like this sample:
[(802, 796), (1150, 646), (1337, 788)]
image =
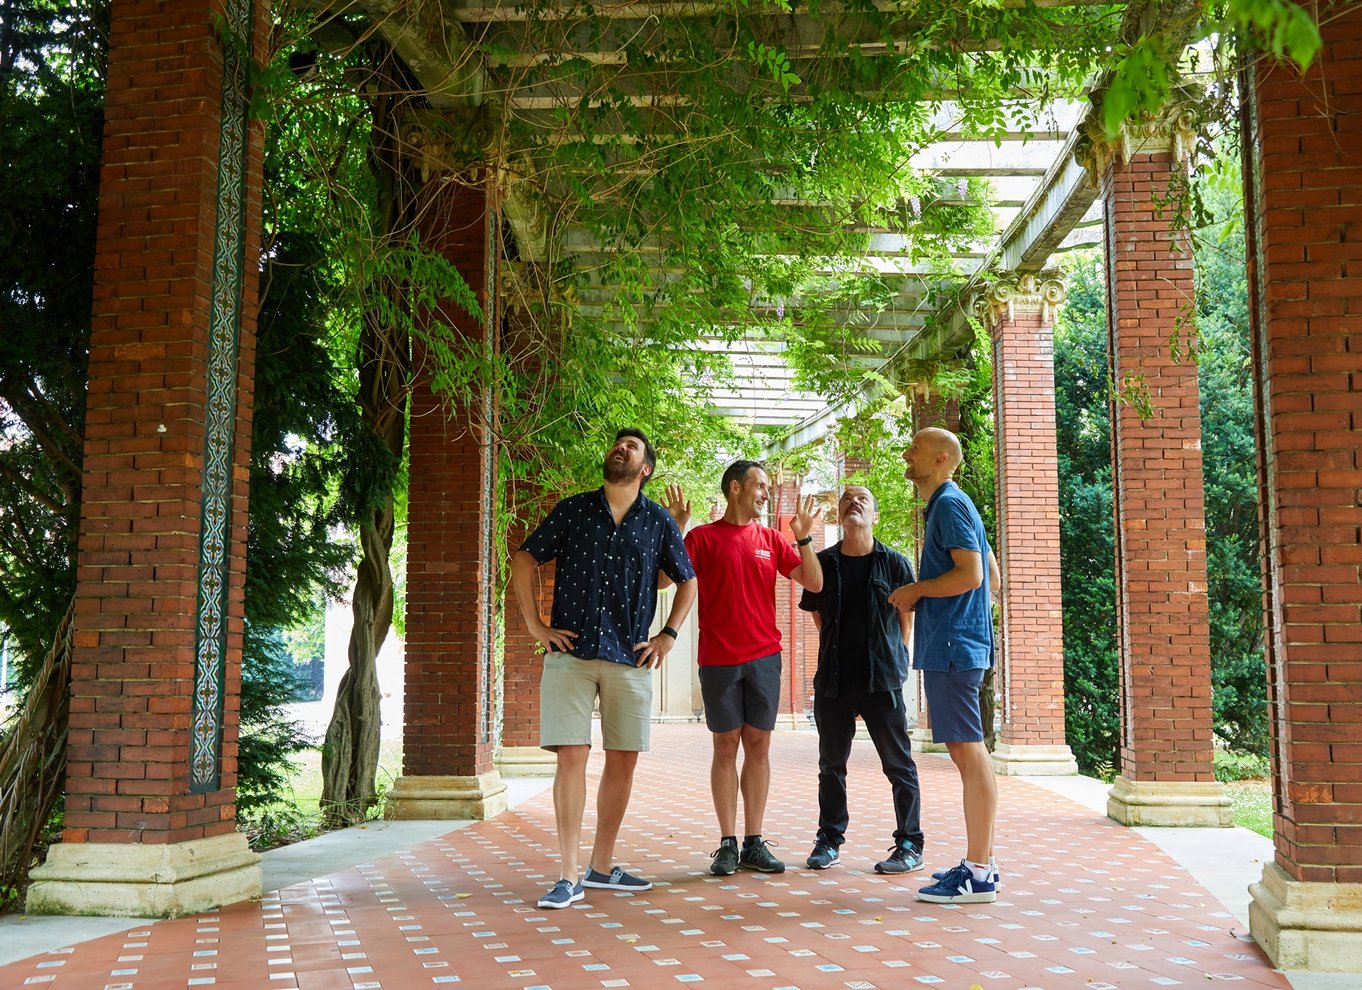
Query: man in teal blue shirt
[(953, 647)]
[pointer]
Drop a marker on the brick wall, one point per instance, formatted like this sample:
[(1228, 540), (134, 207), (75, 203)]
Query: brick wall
[(132, 681), (1031, 668), (448, 688), (524, 662), (1305, 204), (1162, 612)]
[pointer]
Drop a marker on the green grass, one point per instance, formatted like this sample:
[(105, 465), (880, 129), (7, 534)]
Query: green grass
[(1252, 801), (298, 816)]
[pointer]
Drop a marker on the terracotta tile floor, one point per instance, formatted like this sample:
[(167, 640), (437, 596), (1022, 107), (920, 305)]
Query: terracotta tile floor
[(460, 909)]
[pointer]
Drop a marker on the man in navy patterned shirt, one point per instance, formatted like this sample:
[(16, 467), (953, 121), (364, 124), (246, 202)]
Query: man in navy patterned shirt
[(610, 545)]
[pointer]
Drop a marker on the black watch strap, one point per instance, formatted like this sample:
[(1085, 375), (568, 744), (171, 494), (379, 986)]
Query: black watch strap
[(804, 542), (670, 631)]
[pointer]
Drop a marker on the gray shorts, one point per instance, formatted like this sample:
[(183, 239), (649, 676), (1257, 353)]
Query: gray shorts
[(567, 695), (741, 694)]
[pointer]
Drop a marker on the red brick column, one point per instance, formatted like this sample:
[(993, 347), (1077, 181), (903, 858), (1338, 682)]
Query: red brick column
[(520, 754), (151, 771), (447, 758), (1304, 195), (929, 409), (795, 625), (1030, 668), (1162, 613)]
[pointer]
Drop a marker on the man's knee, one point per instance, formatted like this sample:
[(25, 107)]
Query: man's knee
[(621, 760), (572, 759), (726, 745), (756, 743)]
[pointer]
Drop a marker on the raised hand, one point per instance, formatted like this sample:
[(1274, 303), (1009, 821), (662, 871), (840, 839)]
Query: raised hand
[(678, 505), (801, 523)]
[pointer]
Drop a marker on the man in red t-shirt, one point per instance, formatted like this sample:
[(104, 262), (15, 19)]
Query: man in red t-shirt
[(736, 559)]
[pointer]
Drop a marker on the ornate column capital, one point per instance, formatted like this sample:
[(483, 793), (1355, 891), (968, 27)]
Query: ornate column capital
[(1172, 129), (1019, 292)]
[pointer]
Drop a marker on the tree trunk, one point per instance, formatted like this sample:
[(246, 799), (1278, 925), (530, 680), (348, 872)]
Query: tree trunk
[(350, 754), (33, 761)]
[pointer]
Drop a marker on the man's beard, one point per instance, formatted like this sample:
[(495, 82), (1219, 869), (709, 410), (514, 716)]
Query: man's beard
[(620, 471)]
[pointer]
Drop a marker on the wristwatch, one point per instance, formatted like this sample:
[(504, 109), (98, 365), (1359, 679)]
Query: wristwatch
[(804, 542)]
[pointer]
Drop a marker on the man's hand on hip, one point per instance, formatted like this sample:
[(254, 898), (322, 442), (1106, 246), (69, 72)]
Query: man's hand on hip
[(652, 652)]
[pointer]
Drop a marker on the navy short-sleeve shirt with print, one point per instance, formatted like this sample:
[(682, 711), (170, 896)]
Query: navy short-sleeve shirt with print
[(605, 588)]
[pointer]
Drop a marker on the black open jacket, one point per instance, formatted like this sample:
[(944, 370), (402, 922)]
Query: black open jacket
[(888, 657)]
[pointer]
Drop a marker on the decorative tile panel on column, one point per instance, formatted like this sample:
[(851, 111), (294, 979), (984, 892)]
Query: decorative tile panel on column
[(790, 618), (1030, 671), (151, 754), (1163, 622), (929, 409), (1304, 194), (450, 719)]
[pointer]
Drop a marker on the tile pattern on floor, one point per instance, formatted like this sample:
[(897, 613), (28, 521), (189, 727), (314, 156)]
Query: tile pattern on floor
[(1084, 903)]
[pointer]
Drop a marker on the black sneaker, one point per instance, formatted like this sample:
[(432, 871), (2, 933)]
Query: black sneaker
[(725, 860), (757, 856), (824, 854), (904, 857)]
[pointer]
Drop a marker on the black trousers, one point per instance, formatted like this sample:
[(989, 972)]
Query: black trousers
[(887, 724)]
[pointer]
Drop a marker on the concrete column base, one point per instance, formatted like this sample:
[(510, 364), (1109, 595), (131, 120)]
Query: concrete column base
[(922, 741), (1310, 926), (526, 761), (1170, 802), (127, 880), (1033, 761), (447, 798)]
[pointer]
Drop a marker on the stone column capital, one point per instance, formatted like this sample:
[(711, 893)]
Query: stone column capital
[(1019, 292), (1172, 129)]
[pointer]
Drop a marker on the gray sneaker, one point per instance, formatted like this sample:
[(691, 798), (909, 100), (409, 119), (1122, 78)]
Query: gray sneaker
[(824, 855), (616, 879), (904, 857), (757, 856), (725, 859), (562, 894)]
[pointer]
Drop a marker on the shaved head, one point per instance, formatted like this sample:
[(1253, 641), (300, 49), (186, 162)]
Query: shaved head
[(942, 441)]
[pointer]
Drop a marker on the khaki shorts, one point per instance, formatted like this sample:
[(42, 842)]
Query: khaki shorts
[(567, 695)]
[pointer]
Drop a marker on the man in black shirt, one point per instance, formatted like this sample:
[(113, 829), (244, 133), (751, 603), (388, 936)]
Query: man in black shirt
[(862, 664)]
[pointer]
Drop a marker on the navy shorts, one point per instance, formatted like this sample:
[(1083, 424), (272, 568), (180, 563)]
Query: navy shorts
[(953, 704), (741, 694)]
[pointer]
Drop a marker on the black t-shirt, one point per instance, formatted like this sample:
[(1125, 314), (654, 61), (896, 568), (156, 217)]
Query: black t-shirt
[(852, 647)]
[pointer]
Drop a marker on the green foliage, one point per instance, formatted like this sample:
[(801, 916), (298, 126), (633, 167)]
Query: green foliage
[(1086, 543), (1231, 766), (51, 120), (879, 436)]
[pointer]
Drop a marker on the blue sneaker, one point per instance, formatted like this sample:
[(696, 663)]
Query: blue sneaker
[(616, 879), (993, 874), (561, 894), (958, 886)]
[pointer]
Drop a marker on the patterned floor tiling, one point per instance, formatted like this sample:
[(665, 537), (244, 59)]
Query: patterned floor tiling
[(1084, 904)]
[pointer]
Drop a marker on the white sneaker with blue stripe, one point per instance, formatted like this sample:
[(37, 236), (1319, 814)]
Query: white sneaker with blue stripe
[(959, 886)]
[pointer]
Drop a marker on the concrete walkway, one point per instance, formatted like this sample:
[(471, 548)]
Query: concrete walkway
[(1085, 902)]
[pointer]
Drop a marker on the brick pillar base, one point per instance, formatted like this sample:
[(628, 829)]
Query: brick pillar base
[(1303, 171)]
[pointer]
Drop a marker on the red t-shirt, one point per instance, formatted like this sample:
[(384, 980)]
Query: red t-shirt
[(736, 567)]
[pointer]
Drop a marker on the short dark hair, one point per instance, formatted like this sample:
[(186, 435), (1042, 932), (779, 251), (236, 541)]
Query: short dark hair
[(737, 471), (649, 455)]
